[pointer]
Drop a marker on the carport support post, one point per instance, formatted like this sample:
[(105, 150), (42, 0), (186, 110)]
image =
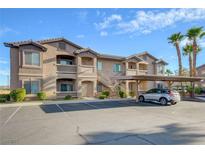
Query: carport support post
[(170, 84), (137, 88)]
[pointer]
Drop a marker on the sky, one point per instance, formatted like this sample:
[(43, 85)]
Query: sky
[(119, 32)]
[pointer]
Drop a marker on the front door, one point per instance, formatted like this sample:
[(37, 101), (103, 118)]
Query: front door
[(87, 89)]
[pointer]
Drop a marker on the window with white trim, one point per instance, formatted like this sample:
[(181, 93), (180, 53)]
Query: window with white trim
[(62, 46), (99, 66), (32, 58), (117, 68)]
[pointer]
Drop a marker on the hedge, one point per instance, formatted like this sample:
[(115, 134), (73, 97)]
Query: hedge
[(41, 95), (102, 96), (68, 97), (18, 95), (106, 93)]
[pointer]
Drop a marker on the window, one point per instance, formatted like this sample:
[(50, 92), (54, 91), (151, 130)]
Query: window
[(99, 87), (99, 66), (62, 46), (144, 57), (152, 91), (32, 58), (65, 62), (160, 69), (159, 85), (32, 87), (66, 87), (116, 68)]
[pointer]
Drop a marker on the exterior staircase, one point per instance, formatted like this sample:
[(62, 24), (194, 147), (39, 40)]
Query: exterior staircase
[(108, 82)]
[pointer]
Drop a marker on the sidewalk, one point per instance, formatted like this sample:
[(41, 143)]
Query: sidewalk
[(47, 102)]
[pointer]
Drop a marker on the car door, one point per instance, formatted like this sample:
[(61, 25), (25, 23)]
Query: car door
[(148, 94), (156, 94)]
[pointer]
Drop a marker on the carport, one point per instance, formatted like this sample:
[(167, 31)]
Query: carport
[(169, 79)]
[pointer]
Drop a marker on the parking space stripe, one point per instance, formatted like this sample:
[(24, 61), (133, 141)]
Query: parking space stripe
[(11, 116), (90, 105)]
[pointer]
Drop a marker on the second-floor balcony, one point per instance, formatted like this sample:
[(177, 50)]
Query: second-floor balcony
[(87, 66), (65, 66), (136, 69)]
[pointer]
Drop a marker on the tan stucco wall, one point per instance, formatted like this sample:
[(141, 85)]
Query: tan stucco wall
[(201, 73), (151, 70), (14, 68), (49, 66), (47, 72)]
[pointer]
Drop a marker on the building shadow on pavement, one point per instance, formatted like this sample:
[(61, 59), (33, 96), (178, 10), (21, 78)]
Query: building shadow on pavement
[(172, 134)]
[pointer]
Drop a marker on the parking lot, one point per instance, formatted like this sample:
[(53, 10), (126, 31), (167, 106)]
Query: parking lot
[(112, 122)]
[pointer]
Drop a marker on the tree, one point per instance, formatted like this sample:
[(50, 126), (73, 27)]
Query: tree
[(188, 50), (194, 34), (168, 72), (175, 39)]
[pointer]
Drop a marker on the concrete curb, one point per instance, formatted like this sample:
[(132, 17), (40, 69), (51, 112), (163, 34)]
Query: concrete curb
[(36, 103), (201, 98)]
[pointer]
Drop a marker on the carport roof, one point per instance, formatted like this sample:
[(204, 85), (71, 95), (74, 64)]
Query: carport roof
[(161, 78)]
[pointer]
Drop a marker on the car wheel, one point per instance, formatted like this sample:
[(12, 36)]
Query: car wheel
[(163, 101), (173, 103), (141, 99)]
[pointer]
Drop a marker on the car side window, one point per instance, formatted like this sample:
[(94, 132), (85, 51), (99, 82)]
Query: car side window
[(150, 91), (158, 91)]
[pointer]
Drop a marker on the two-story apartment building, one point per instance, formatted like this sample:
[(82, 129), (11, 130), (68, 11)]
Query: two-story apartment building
[(60, 67)]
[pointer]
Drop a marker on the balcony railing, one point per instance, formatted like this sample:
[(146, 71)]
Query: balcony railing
[(131, 72), (66, 68), (142, 72)]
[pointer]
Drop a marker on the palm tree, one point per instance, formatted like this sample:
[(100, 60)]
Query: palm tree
[(188, 50), (175, 39), (168, 72), (194, 34)]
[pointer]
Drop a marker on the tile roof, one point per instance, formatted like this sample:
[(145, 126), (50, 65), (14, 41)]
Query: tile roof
[(111, 56), (20, 43), (203, 65), (40, 43), (85, 50)]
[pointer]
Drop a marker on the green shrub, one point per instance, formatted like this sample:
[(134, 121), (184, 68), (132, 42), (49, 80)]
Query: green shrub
[(68, 97), (2, 100), (5, 97), (41, 95), (106, 93), (102, 96), (122, 94), (189, 89), (18, 95), (198, 90), (131, 93)]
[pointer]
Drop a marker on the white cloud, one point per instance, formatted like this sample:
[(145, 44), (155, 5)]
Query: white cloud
[(80, 36), (201, 42), (4, 30), (2, 61), (103, 33), (108, 21), (82, 15), (4, 72), (100, 13), (148, 21)]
